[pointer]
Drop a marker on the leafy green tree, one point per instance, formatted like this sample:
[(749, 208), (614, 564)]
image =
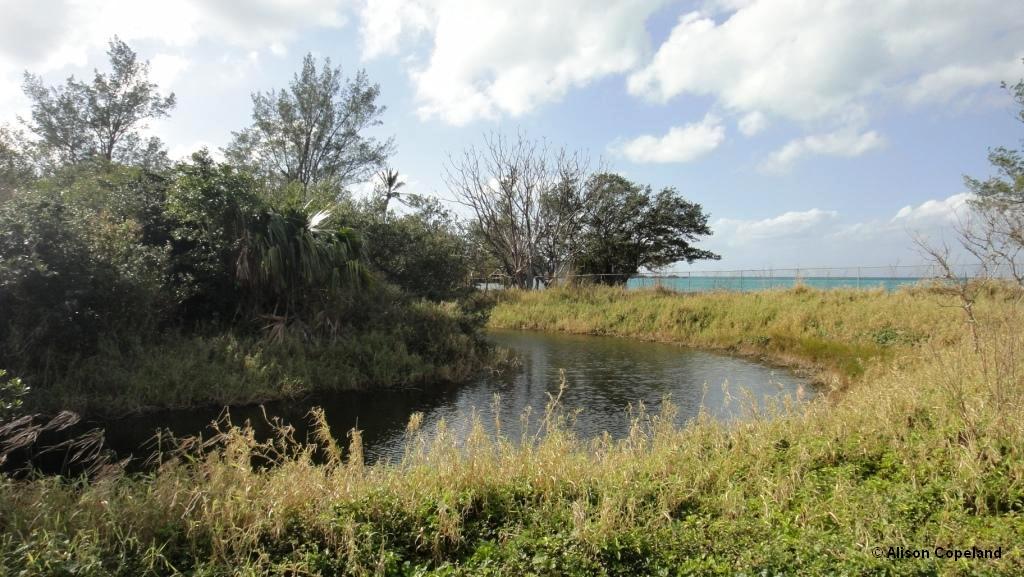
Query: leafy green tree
[(127, 193), (630, 228), (423, 252), (83, 260), (314, 131), (71, 277), (99, 119), (16, 167), (210, 204)]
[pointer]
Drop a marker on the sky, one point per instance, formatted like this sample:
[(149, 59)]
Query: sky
[(814, 132)]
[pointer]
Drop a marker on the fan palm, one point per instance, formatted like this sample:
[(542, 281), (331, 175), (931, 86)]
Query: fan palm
[(295, 264)]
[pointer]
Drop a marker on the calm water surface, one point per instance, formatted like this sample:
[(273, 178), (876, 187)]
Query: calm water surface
[(604, 376)]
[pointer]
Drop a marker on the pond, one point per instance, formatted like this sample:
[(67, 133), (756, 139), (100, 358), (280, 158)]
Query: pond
[(604, 376)]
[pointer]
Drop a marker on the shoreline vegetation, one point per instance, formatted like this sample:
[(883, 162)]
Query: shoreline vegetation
[(920, 449), (806, 329), (440, 343)]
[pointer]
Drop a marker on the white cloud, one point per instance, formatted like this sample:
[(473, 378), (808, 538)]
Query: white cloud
[(492, 57), (928, 218), (383, 24), (809, 61), (166, 68), (60, 37), (947, 82), (786, 225), (75, 29), (934, 211), (820, 237), (278, 48), (362, 189), (680, 144), (752, 123), (845, 142), (29, 29)]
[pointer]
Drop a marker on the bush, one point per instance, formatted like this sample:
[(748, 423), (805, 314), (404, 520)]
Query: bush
[(422, 252), (11, 392), (210, 205), (69, 275)]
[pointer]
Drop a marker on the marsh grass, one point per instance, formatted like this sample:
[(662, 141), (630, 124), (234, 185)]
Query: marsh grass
[(427, 346), (837, 333), (923, 449)]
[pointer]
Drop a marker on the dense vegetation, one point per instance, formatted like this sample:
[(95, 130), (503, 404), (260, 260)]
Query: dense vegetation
[(128, 282), (922, 449)]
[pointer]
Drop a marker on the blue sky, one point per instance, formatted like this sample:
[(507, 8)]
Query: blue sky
[(815, 133)]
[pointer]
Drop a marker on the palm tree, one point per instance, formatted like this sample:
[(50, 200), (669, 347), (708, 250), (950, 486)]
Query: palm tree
[(295, 265), (388, 187)]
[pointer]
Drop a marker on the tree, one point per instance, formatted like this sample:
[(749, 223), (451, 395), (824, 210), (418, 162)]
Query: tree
[(630, 228), (1008, 186), (296, 266), (16, 170), (387, 189), (100, 119), (210, 204), (527, 200), (424, 252), (563, 217), (72, 277), (994, 231), (313, 132)]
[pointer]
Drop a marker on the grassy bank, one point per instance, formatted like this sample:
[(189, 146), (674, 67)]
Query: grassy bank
[(426, 343), (837, 334), (924, 450)]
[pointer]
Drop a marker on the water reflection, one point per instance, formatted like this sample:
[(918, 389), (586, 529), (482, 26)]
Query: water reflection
[(604, 375)]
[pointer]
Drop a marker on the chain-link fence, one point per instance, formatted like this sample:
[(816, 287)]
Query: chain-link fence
[(884, 277)]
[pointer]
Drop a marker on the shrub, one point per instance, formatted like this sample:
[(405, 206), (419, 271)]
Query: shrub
[(69, 275)]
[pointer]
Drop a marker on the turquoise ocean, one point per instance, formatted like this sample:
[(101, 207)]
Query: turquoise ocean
[(698, 283)]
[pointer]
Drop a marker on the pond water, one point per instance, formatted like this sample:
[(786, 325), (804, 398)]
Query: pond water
[(604, 376)]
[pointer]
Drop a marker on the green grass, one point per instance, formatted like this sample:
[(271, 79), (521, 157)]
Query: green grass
[(923, 448)]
